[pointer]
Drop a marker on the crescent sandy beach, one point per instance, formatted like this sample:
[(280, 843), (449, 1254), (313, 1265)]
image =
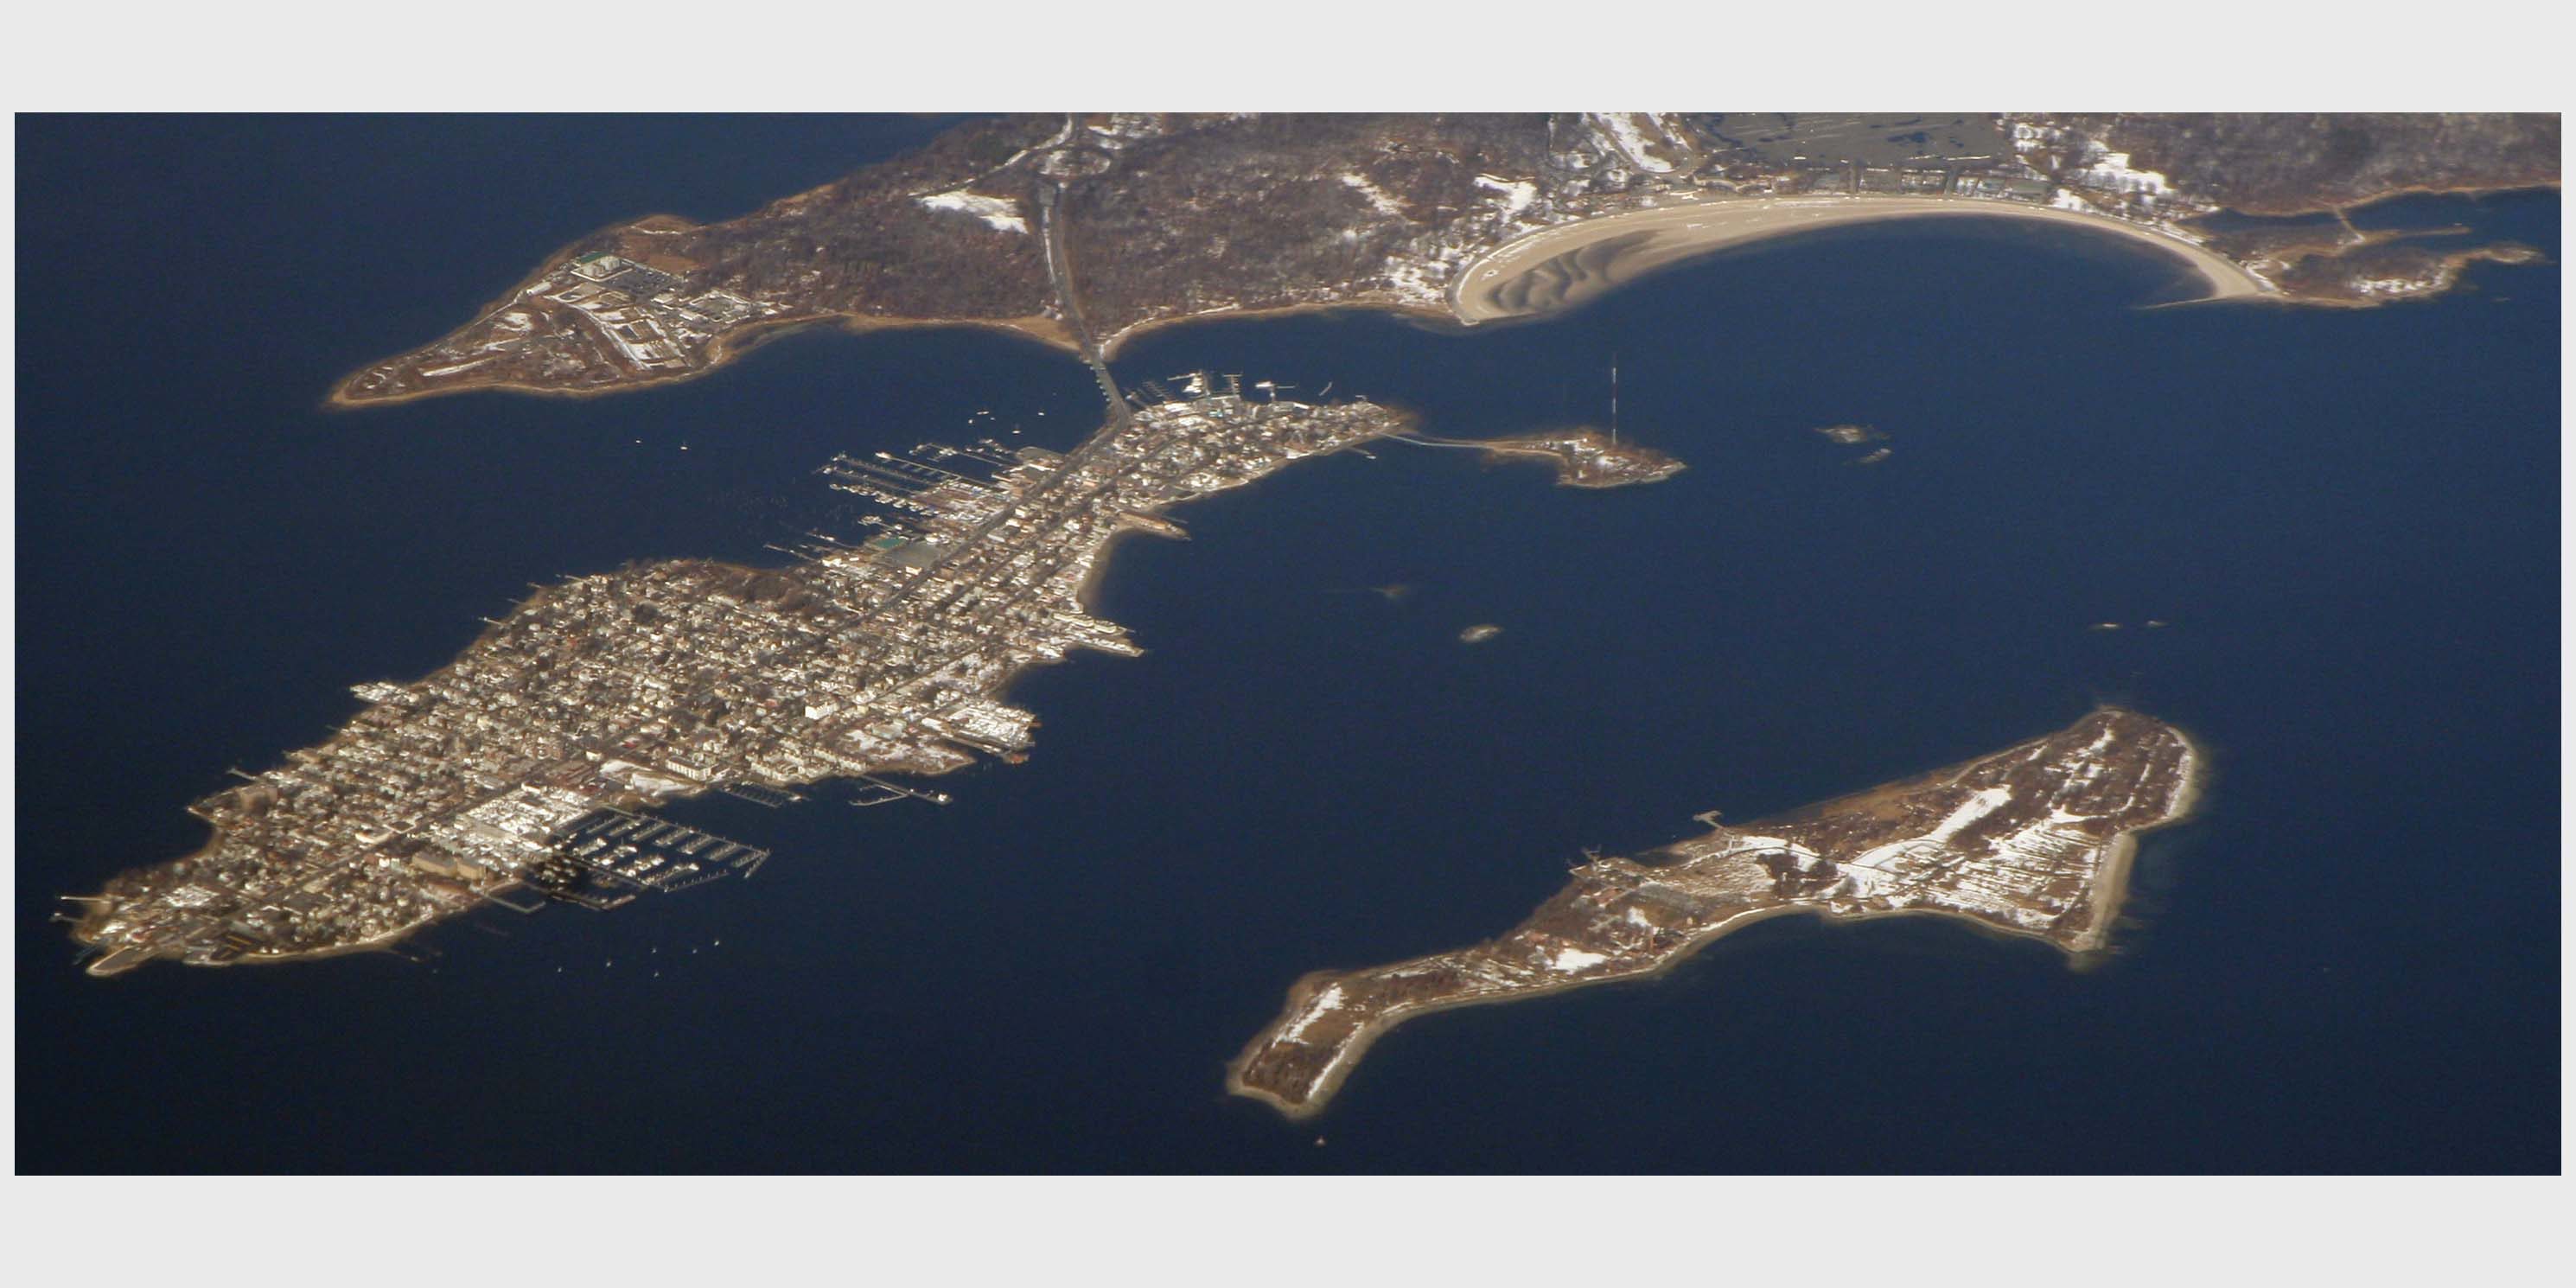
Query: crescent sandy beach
[(1567, 264)]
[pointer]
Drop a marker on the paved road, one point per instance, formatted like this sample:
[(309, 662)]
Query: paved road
[(1060, 271)]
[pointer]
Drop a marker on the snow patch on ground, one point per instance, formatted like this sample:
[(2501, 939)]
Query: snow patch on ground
[(1880, 868), (1574, 959), (1866, 877), (1376, 195), (1517, 196), (1131, 125), (2104, 168), (1328, 1000), (1979, 804), (1412, 284), (1621, 129), (1001, 213)]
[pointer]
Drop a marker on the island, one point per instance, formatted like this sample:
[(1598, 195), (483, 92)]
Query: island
[(1464, 218), (1859, 436), (526, 768), (1850, 435), (2034, 840), (1583, 457)]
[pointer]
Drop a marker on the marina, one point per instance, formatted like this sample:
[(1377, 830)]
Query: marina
[(606, 861)]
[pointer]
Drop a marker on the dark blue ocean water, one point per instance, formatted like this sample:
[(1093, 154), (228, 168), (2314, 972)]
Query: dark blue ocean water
[(2350, 520)]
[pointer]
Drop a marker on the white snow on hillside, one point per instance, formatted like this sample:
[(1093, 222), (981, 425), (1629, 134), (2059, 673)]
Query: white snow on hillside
[(1376, 195), (1328, 1000), (2104, 168), (1003, 214), (1980, 803), (1621, 127), (1411, 283), (1516, 196)]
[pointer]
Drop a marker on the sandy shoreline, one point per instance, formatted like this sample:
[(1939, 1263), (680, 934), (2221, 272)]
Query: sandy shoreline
[(2396, 194), (2113, 887), (722, 351), (1367, 1034), (1664, 234), (1109, 347), (380, 943)]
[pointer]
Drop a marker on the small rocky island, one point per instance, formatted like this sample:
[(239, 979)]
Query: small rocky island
[(1588, 458), (1851, 435), (1859, 436), (1583, 457), (2033, 840)]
